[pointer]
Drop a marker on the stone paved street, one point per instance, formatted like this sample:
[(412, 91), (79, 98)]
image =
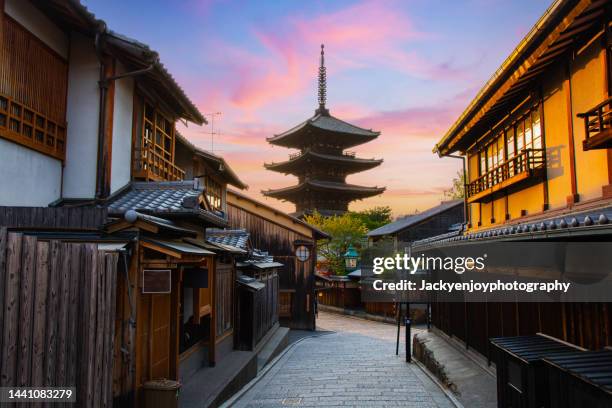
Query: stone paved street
[(354, 366)]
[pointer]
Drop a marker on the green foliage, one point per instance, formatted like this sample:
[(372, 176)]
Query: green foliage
[(344, 230), (374, 217), (458, 188)]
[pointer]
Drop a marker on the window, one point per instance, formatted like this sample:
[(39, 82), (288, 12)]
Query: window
[(158, 133), (154, 154), (23, 125), (33, 82), (214, 193), (511, 151)]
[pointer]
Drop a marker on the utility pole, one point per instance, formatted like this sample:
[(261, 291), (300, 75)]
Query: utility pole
[(212, 129)]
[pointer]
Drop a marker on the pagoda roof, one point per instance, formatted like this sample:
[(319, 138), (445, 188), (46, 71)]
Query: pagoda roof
[(324, 186), (333, 130), (346, 160)]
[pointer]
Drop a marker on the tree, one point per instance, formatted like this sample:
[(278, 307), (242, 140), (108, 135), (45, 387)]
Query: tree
[(344, 230), (374, 217), (458, 188)]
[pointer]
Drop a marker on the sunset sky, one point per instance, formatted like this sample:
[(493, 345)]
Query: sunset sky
[(405, 68)]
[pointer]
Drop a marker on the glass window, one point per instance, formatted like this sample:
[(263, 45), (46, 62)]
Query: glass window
[(510, 142), (500, 149), (213, 193), (528, 133), (483, 162), (536, 129), (520, 137)]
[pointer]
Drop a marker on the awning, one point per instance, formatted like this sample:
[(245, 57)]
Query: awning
[(176, 249), (216, 247), (250, 283), (111, 246), (259, 265)]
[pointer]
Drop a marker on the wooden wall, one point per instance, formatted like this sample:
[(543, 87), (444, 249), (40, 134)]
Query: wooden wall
[(587, 325), (224, 294), (32, 73), (56, 316), (80, 218), (297, 276)]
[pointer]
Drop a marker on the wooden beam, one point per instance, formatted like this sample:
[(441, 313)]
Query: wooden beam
[(107, 154), (567, 88)]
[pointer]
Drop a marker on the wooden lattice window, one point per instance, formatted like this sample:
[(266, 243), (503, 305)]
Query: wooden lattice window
[(158, 132), (25, 126), (33, 86), (154, 154), (214, 193)]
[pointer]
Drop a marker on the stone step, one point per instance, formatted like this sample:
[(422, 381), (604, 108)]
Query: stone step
[(276, 343)]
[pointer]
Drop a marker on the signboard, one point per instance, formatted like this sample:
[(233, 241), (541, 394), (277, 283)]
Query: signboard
[(156, 281)]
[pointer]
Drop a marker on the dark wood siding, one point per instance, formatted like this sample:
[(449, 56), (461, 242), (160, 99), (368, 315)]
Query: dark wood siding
[(433, 226), (294, 275)]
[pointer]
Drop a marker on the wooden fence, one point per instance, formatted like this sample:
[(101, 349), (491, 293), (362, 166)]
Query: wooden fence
[(80, 218), (57, 316), (588, 325), (266, 305)]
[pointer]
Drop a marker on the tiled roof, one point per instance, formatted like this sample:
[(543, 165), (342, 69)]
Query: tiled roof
[(415, 219), (587, 222), (327, 186), (157, 197), (223, 167), (237, 238), (89, 24), (329, 123), (162, 198)]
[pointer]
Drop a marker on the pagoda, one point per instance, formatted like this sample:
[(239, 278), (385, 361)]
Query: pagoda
[(322, 163)]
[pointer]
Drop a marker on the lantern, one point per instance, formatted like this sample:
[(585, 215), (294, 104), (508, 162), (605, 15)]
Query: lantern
[(350, 259)]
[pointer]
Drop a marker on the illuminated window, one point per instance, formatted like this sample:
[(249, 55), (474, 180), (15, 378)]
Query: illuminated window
[(214, 193)]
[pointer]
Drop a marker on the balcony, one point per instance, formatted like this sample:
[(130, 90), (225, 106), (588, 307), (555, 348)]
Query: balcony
[(150, 165), (598, 126), (529, 164)]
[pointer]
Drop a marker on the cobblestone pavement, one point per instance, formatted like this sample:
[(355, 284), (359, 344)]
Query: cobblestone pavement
[(354, 366)]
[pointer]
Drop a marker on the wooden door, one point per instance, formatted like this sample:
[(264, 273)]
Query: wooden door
[(160, 336)]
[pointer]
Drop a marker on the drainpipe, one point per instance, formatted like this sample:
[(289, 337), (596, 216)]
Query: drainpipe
[(103, 82), (102, 113), (465, 204)]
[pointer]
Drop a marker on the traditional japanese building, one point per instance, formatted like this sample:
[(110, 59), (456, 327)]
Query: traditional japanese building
[(322, 163), (536, 144)]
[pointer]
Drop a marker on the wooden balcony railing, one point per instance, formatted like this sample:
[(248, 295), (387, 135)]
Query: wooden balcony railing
[(152, 166), (598, 126), (527, 164)]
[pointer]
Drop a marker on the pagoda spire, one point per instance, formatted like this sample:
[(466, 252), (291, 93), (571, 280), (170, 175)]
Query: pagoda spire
[(322, 110)]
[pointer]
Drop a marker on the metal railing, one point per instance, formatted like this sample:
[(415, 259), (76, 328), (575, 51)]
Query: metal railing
[(526, 161), (153, 166), (597, 120)]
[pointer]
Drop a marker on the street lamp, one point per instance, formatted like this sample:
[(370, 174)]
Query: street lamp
[(350, 259)]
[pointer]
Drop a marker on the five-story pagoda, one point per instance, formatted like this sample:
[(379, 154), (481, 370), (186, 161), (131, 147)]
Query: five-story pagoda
[(322, 163)]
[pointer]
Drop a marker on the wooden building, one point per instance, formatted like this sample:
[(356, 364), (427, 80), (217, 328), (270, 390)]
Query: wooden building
[(89, 145), (322, 163), (293, 243), (539, 168), (434, 221)]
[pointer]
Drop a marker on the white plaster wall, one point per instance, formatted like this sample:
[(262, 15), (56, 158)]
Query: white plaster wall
[(82, 117), (38, 24), (122, 131), (29, 178)]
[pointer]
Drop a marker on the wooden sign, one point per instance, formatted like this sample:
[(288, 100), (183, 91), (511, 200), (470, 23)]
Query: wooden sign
[(156, 281)]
